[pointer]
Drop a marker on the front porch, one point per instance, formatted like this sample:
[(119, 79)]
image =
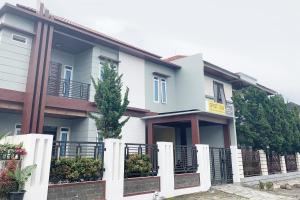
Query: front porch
[(190, 129)]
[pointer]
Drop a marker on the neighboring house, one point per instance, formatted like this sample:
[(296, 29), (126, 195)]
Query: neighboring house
[(46, 65)]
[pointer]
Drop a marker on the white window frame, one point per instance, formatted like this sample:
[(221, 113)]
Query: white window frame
[(12, 37), (71, 79), (155, 78), (68, 133), (163, 81), (16, 132)]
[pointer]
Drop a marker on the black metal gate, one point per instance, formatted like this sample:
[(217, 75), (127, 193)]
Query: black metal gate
[(220, 166)]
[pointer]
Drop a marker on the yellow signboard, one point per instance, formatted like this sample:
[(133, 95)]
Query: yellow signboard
[(217, 108)]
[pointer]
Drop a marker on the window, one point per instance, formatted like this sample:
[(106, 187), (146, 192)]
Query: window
[(219, 94), (18, 129), (163, 91), (64, 135), (19, 38), (155, 89), (111, 62)]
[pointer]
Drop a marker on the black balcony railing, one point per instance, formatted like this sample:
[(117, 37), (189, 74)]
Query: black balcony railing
[(140, 160), (185, 159), (68, 89), (93, 150)]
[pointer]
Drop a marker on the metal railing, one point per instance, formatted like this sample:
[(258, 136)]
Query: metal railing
[(9, 156), (185, 159), (146, 155), (273, 161), (291, 163), (251, 162), (64, 149), (68, 89)]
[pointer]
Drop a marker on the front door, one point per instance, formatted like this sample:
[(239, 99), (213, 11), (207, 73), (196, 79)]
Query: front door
[(64, 134), (220, 166), (68, 76)]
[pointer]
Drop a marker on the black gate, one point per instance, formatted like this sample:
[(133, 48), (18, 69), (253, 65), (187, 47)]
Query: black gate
[(220, 166)]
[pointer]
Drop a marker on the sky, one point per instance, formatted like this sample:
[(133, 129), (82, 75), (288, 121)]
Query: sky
[(258, 37)]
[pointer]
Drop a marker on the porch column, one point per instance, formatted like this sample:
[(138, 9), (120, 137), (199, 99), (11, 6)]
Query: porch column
[(226, 133), (150, 136), (195, 131)]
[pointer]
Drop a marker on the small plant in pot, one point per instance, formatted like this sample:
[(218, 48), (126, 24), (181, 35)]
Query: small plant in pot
[(20, 176)]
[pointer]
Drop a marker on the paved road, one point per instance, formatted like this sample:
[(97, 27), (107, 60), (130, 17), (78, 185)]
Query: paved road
[(234, 192), (250, 193), (214, 195)]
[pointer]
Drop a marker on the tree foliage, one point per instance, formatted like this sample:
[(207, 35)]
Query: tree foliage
[(109, 103), (264, 121)]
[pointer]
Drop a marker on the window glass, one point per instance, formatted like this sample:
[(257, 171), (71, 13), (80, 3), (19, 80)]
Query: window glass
[(18, 129), (112, 63), (19, 38), (163, 91), (156, 89), (219, 94)]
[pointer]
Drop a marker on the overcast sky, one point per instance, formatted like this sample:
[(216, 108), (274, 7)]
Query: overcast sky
[(258, 37)]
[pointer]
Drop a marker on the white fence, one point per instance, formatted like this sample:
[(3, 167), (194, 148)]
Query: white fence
[(39, 146)]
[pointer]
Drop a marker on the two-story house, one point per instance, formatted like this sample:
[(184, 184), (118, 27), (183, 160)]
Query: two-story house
[(46, 67)]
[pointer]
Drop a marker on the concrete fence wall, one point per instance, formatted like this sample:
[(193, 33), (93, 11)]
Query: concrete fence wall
[(266, 176), (39, 147)]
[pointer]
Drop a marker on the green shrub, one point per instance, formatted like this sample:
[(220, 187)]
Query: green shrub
[(75, 170), (138, 165), (269, 186), (261, 185)]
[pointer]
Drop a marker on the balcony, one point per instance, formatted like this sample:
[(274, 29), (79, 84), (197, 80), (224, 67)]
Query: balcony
[(219, 108), (68, 89)]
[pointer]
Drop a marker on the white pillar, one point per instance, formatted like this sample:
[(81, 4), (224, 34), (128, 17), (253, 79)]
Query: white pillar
[(166, 168), (114, 168), (282, 164), (263, 163), (298, 161), (235, 164), (38, 148), (240, 163), (203, 166)]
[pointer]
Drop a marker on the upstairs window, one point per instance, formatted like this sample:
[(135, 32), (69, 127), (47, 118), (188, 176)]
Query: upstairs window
[(219, 94), (106, 60), (163, 91), (19, 38), (155, 89)]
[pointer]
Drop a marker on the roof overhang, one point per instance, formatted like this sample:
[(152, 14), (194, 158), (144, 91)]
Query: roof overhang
[(233, 78), (77, 30)]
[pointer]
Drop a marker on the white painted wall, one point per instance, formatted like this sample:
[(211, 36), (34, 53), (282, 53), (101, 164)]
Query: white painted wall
[(133, 70), (212, 135), (134, 131), (14, 61), (19, 22), (209, 87), (95, 71)]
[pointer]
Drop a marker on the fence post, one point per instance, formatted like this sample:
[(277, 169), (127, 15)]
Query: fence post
[(263, 163), (166, 168), (203, 166), (235, 164), (240, 163), (114, 168), (282, 164), (298, 161), (38, 148)]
